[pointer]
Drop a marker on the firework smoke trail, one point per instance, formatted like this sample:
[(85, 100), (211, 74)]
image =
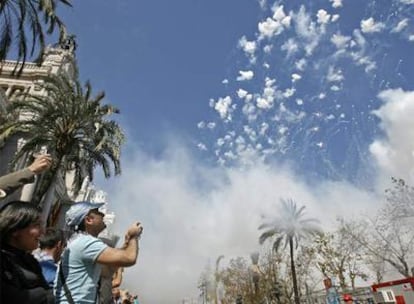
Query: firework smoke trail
[(308, 82)]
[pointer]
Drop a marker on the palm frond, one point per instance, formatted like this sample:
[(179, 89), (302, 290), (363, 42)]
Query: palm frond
[(266, 235), (25, 23)]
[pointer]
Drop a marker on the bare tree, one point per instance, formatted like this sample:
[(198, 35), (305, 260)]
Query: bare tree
[(384, 239), (338, 255)]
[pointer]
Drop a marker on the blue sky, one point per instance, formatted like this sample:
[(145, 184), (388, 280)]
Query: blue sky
[(162, 63), (230, 105), (159, 61)]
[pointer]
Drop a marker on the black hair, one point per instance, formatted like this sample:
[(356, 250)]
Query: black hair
[(51, 238), (81, 227), (17, 215)]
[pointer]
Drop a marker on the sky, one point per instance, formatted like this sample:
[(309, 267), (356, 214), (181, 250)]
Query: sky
[(230, 105)]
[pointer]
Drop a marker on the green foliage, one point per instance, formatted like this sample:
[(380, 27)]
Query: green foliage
[(73, 125), (24, 23)]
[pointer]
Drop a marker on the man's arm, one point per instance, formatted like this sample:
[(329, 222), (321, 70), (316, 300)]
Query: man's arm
[(117, 277), (15, 180), (126, 256)]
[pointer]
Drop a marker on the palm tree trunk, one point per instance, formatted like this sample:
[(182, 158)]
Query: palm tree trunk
[(48, 202), (44, 185), (44, 196), (293, 269)]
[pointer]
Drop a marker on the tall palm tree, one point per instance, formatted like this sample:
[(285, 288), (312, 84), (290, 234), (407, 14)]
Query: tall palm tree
[(24, 23), (217, 278), (289, 227), (74, 126)]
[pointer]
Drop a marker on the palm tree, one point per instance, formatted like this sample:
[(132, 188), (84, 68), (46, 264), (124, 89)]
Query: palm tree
[(74, 126), (290, 226), (24, 23), (217, 278)]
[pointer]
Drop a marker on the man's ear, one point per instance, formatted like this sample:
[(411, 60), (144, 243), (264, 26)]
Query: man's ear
[(88, 219)]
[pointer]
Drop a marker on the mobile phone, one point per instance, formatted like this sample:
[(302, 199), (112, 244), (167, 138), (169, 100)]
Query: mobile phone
[(43, 150)]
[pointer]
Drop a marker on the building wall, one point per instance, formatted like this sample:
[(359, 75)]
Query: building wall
[(57, 59)]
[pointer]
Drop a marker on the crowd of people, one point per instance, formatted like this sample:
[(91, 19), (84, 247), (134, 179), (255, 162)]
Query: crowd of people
[(71, 266)]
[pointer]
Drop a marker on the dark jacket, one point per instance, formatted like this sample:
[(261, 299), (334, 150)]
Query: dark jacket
[(21, 279)]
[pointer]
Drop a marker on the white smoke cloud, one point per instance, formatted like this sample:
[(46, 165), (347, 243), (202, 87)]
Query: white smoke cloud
[(270, 28), (395, 152), (400, 26), (323, 17), (191, 214), (340, 41), (370, 26), (336, 3), (249, 47), (223, 106), (245, 75)]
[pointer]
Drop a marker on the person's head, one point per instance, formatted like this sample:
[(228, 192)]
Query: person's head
[(85, 216), (53, 241), (347, 298), (20, 225), (116, 293)]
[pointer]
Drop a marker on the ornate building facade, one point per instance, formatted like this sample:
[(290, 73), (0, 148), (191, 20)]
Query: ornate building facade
[(59, 58)]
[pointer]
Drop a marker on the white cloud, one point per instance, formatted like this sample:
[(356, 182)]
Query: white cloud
[(359, 39), (296, 77), (370, 26), (307, 30), (211, 125), (201, 125), (304, 25), (289, 92), (359, 54), (411, 38), (400, 26), (301, 64), (270, 28), (242, 93), (267, 48), (407, 1), (336, 3), (290, 46), (335, 17), (263, 103), (202, 146), (395, 152), (335, 88), (323, 17), (280, 16), (225, 81), (249, 110), (334, 75), (286, 21), (279, 13), (340, 41), (222, 106), (245, 75), (249, 47), (262, 4)]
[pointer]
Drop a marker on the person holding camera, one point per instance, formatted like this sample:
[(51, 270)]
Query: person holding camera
[(11, 182), (81, 261)]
